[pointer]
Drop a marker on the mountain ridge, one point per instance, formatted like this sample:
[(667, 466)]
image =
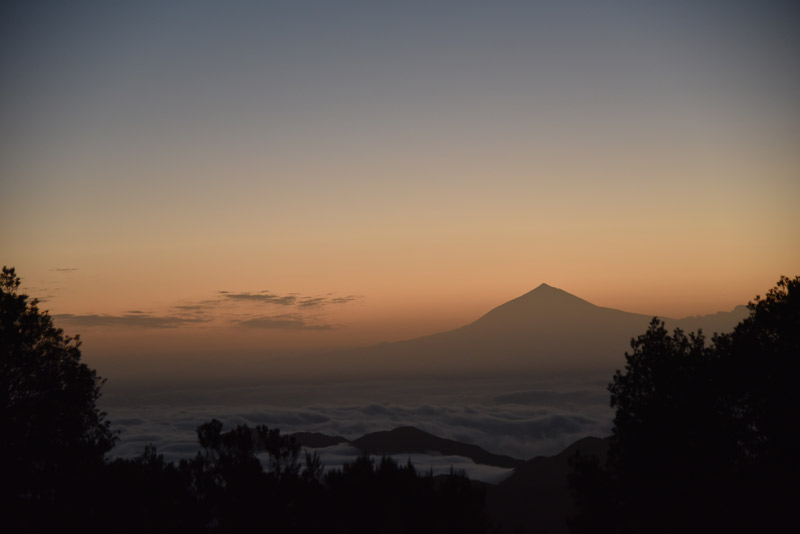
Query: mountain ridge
[(544, 329), (409, 439)]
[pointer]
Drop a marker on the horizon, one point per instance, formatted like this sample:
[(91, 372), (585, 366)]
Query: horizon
[(139, 324)]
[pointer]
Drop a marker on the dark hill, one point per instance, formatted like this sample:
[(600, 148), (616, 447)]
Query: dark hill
[(412, 440), (536, 497)]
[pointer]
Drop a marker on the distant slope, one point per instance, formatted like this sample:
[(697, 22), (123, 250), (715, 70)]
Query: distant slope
[(543, 330), (719, 323), (536, 497), (412, 440)]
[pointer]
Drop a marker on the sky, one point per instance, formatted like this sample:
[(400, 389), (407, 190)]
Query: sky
[(261, 177)]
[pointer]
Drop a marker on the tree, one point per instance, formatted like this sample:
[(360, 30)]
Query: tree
[(758, 365), (669, 436), (54, 435), (705, 438)]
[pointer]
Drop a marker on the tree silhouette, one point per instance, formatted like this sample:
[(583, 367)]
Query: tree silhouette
[(668, 430), (54, 436), (145, 494), (386, 497), (760, 374), (705, 437)]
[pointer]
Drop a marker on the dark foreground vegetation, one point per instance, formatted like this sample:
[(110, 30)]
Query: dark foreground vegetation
[(225, 488), (705, 436), (705, 439)]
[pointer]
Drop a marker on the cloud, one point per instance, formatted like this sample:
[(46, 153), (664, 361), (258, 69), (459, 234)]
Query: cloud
[(318, 302), (343, 300), (197, 311), (292, 299), (466, 411), (265, 297), (134, 319), (192, 307), (551, 397), (220, 310), (312, 302), (283, 322), (64, 269)]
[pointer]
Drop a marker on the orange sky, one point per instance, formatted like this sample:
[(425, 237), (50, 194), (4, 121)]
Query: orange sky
[(408, 172)]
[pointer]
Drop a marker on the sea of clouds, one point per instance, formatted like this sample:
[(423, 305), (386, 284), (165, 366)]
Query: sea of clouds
[(522, 418)]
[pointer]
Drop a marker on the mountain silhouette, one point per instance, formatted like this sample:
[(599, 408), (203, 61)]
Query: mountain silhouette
[(539, 304), (408, 439), (536, 497), (546, 329)]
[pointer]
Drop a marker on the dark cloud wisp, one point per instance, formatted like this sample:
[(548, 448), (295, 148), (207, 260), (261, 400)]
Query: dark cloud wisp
[(215, 311), (301, 302), (133, 319), (264, 297), (284, 322), (318, 302)]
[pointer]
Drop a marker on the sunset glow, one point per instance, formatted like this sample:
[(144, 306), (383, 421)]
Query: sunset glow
[(408, 166)]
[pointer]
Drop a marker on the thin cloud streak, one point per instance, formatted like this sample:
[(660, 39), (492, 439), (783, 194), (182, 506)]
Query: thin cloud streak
[(264, 297), (301, 302), (215, 311), (284, 322), (132, 319)]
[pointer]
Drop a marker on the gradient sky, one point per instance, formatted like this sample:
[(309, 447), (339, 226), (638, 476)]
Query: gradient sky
[(352, 172)]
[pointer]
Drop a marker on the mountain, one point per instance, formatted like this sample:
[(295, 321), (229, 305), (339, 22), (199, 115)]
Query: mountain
[(715, 323), (408, 439), (546, 329), (536, 497)]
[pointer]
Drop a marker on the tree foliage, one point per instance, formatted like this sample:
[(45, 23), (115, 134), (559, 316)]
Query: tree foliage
[(232, 485), (53, 431), (705, 436)]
